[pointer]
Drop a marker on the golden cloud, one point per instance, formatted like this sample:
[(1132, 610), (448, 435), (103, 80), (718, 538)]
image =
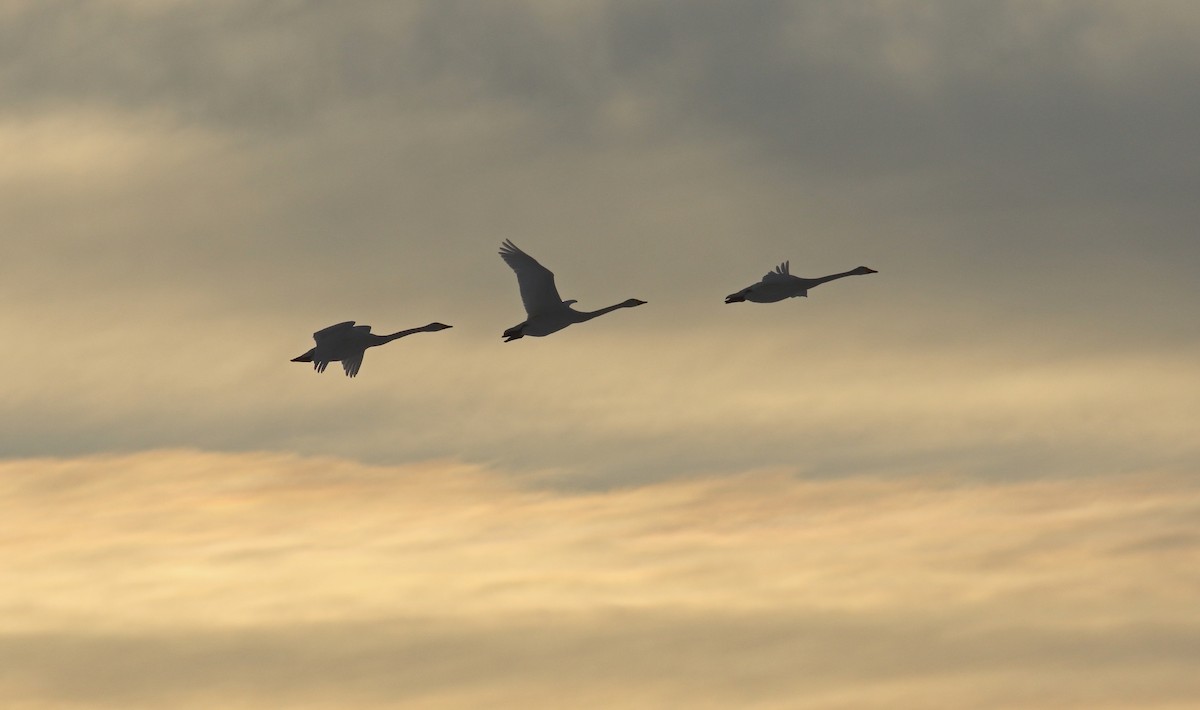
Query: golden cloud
[(443, 584)]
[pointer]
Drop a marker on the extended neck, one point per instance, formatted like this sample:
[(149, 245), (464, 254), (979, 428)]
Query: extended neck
[(832, 277), (582, 316), (381, 339)]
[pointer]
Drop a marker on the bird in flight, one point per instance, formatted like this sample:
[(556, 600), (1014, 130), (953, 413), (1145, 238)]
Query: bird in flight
[(780, 284), (545, 310), (347, 342)]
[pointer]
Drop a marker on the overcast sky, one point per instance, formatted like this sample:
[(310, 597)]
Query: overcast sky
[(193, 187)]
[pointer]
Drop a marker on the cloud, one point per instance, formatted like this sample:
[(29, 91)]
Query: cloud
[(260, 579), (633, 659), (1018, 136), (992, 101)]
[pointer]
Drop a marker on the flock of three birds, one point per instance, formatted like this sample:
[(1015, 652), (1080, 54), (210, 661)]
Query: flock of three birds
[(545, 310)]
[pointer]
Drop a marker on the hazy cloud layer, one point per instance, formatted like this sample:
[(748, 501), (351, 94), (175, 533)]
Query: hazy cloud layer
[(997, 135), (250, 581)]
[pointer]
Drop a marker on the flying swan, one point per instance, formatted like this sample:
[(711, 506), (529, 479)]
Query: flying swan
[(780, 284), (547, 312), (348, 343)]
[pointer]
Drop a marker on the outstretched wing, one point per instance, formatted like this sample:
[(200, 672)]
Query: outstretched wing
[(781, 273), (334, 332), (538, 292), (352, 363)]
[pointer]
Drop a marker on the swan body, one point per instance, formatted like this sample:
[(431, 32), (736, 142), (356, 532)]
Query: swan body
[(347, 343), (545, 310), (780, 284)]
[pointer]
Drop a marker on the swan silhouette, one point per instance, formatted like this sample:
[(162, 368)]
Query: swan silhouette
[(780, 284), (547, 312), (348, 343)]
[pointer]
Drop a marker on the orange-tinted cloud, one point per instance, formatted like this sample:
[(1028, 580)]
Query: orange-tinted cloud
[(248, 579)]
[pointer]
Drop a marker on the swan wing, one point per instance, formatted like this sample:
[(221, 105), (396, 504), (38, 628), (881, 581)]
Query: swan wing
[(780, 273), (334, 332), (538, 291), (352, 363)]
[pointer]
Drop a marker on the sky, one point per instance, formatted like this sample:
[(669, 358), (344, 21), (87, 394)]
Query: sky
[(966, 480)]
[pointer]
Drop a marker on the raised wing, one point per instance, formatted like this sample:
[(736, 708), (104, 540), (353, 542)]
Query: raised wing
[(781, 273), (352, 363), (334, 332), (538, 292)]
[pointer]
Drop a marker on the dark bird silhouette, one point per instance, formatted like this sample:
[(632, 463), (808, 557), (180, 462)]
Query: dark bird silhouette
[(545, 310), (348, 343), (780, 284)]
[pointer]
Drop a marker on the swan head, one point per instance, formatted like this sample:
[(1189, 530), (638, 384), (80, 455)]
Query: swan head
[(864, 270), (514, 333), (433, 327), (633, 302)]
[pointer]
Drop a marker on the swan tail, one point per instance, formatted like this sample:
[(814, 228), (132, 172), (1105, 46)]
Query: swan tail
[(738, 297), (306, 357)]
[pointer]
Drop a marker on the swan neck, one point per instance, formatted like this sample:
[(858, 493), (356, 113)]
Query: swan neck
[(381, 339), (588, 315), (832, 277)]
